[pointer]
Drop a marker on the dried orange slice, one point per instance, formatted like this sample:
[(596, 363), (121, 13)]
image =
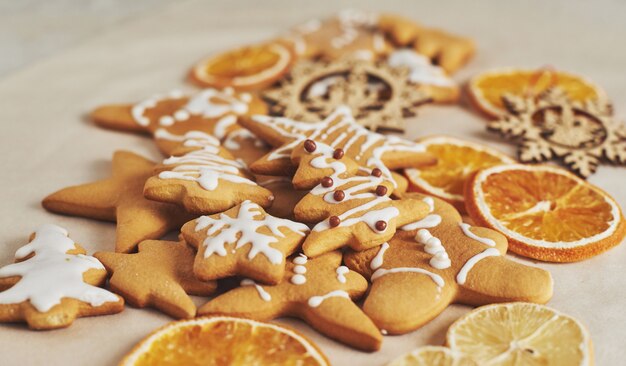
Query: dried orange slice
[(248, 68), (456, 160), (546, 212), (521, 334), (486, 89), (432, 356), (224, 340)]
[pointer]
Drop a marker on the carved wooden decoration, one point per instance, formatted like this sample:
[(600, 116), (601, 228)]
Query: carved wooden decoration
[(552, 126), (379, 96)]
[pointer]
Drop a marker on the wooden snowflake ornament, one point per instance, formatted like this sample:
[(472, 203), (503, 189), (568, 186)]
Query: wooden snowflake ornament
[(553, 126), (378, 95)]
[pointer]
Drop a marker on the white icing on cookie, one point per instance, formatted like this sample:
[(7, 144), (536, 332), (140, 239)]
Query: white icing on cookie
[(299, 269), (204, 166), (50, 274), (265, 296), (466, 230), (432, 245), (372, 145), (377, 261), (342, 271), (208, 103), (243, 230), (461, 277), (427, 222), (421, 70), (439, 281), (316, 301)]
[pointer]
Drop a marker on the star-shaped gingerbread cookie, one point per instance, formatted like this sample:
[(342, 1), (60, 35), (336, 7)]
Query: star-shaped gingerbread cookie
[(349, 206), (437, 261), (120, 199), (244, 241), (168, 117), (159, 275), (204, 178), (320, 291), (53, 283), (339, 131)]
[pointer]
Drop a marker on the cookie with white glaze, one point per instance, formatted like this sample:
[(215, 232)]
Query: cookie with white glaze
[(168, 117), (243, 241), (53, 282), (437, 261), (319, 291), (349, 207), (204, 178)]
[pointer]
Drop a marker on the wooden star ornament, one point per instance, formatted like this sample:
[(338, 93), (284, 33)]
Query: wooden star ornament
[(440, 260), (120, 199), (159, 275), (319, 291), (552, 126)]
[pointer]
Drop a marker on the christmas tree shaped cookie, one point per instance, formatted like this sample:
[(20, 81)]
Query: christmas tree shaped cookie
[(53, 283)]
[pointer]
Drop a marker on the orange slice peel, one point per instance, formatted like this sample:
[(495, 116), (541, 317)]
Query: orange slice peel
[(223, 340), (545, 212), (457, 159), (486, 89), (247, 68)]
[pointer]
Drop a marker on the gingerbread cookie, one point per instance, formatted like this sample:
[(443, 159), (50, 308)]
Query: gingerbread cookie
[(120, 199), (429, 78), (437, 261), (204, 178), (244, 241), (168, 117), (350, 210), (53, 283), (447, 50), (248, 148), (349, 34), (320, 291), (340, 131), (159, 275)]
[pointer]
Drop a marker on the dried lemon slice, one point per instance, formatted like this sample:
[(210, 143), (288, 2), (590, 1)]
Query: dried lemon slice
[(521, 334)]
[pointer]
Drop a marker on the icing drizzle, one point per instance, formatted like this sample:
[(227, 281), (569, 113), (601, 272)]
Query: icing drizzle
[(204, 166), (243, 230), (421, 70), (461, 277), (299, 270), (437, 279), (50, 274), (466, 230), (316, 301), (209, 103), (264, 295), (365, 147), (342, 271), (377, 261)]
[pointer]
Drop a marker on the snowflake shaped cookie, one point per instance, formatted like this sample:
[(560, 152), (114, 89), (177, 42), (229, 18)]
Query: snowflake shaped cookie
[(553, 126)]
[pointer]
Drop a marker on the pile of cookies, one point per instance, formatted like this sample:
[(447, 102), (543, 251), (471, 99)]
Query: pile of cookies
[(290, 201)]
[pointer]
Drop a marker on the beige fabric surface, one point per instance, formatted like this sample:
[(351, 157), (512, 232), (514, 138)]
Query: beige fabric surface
[(47, 144)]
